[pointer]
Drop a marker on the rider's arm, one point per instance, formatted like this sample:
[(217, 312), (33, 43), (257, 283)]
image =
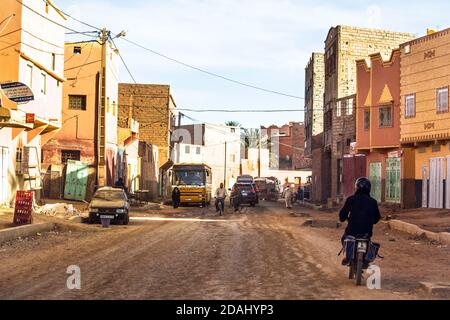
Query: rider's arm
[(377, 215), (345, 211)]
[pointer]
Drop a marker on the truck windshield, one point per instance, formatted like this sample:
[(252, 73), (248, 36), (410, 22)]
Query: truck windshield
[(189, 178)]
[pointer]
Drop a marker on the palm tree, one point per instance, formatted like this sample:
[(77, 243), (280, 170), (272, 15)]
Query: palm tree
[(232, 124)]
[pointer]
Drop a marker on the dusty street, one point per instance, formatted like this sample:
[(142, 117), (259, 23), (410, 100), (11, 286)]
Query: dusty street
[(263, 253)]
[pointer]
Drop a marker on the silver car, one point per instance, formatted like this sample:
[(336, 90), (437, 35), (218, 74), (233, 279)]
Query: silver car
[(109, 203)]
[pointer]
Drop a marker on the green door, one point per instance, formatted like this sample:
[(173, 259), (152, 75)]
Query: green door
[(375, 179), (76, 181), (393, 181)]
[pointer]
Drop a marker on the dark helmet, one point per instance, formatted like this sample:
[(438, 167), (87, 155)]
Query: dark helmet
[(363, 185)]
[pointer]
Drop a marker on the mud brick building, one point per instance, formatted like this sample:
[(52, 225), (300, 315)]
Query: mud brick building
[(424, 122), (289, 145), (153, 106), (314, 90), (343, 46)]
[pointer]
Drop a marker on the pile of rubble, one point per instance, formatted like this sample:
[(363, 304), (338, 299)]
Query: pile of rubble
[(58, 210)]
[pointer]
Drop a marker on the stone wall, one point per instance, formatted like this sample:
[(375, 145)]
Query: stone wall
[(150, 106), (314, 90)]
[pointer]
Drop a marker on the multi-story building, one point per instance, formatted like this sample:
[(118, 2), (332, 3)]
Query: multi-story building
[(378, 123), (31, 53), (314, 90), (343, 46), (89, 131), (287, 146), (217, 146), (425, 129), (153, 106)]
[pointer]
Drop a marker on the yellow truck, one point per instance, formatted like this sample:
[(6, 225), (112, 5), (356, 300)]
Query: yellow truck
[(194, 182)]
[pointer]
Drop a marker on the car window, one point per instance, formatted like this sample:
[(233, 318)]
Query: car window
[(110, 195)]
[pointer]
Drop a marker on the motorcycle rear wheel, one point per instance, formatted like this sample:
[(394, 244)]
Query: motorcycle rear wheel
[(351, 271), (359, 268)]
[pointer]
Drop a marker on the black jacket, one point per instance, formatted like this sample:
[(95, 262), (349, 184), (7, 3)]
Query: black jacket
[(362, 213)]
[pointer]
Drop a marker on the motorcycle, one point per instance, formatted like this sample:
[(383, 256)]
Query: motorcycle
[(360, 253)]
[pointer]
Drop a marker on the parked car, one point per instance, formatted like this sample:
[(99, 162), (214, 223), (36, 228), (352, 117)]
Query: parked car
[(109, 203), (246, 192)]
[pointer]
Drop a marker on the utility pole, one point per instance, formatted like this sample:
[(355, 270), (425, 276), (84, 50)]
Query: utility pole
[(225, 167), (259, 156), (101, 115)]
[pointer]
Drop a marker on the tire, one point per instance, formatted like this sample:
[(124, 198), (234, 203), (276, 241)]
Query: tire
[(351, 271), (359, 268), (126, 220)]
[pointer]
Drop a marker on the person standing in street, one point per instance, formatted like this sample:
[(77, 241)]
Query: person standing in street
[(288, 196), (221, 194), (176, 198)]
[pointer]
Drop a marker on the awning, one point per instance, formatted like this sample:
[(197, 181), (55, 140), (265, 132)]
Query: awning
[(14, 119)]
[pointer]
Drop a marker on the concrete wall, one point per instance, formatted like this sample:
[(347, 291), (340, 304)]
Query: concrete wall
[(27, 44), (79, 129), (424, 69)]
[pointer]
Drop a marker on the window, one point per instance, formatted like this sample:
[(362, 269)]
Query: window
[(29, 75), (350, 106), (338, 109), (199, 150), (408, 49), (67, 155), (76, 50), (410, 106), (187, 149), (233, 130), (43, 83), (422, 150), (436, 148), (385, 117), (53, 61), (367, 119), (77, 102), (442, 100), (349, 142)]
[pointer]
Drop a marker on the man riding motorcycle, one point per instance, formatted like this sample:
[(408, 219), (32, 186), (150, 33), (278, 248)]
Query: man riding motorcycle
[(361, 211)]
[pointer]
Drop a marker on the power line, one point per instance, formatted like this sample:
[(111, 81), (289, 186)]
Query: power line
[(52, 21), (240, 111), (186, 64), (123, 61), (212, 73)]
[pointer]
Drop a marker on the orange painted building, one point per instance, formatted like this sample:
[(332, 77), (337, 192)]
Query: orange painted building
[(378, 123)]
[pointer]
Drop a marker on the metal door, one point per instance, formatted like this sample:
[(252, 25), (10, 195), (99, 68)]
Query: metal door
[(393, 180), (424, 187), (76, 181), (436, 183), (375, 179), (447, 185), (4, 189)]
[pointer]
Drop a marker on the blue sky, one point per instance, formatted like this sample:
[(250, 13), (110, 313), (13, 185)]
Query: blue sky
[(266, 43)]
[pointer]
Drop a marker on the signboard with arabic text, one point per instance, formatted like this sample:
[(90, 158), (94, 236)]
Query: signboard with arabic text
[(17, 92)]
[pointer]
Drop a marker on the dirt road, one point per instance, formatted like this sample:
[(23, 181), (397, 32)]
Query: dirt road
[(261, 254)]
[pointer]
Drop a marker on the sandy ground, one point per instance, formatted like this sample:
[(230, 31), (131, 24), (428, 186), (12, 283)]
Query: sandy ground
[(262, 253)]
